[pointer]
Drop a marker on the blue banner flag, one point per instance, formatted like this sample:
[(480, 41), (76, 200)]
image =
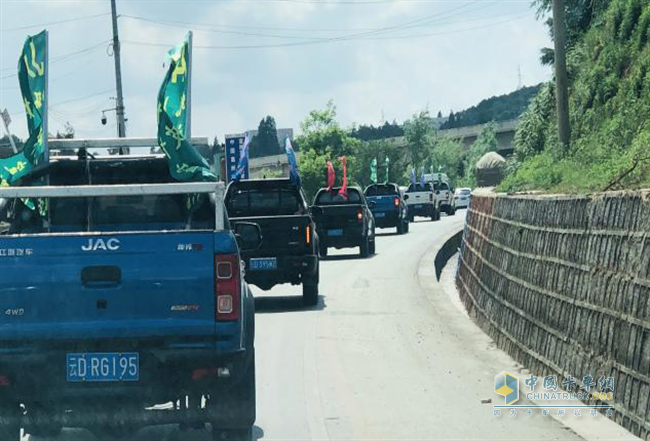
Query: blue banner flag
[(242, 166), (413, 177), (291, 157), (422, 176)]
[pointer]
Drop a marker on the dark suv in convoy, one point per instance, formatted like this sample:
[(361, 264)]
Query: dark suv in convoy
[(289, 250), (344, 222)]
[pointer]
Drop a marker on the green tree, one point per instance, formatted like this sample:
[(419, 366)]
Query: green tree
[(265, 143), (448, 156), (419, 137)]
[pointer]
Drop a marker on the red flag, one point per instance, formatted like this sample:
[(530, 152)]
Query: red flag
[(330, 176), (344, 188)]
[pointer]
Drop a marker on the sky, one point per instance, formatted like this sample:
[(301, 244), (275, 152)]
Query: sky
[(378, 60)]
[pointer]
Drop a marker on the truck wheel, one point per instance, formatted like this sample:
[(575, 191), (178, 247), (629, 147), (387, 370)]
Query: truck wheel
[(365, 248), (238, 401), (10, 432), (407, 226), (400, 227), (372, 247), (322, 250), (452, 211), (234, 434), (310, 290)]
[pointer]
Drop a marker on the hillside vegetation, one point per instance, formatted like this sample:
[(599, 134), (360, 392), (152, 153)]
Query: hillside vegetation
[(609, 71)]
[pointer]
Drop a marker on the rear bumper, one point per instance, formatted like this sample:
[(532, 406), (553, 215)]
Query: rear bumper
[(347, 240), (290, 269), (387, 219), (40, 377), (425, 210)]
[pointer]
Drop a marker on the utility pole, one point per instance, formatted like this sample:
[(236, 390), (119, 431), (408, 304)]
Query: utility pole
[(119, 110), (561, 79)]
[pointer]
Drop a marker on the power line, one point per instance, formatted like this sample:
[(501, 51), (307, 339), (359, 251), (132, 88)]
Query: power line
[(362, 37), (60, 58), (229, 29), (385, 29), (54, 23)]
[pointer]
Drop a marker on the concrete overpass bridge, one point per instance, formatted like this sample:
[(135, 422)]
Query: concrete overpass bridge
[(505, 133), (277, 165)]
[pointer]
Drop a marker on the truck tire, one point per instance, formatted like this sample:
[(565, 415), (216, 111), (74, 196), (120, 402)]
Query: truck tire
[(364, 248), (400, 227), (310, 290), (322, 250), (241, 401), (372, 247), (10, 432), (407, 226)]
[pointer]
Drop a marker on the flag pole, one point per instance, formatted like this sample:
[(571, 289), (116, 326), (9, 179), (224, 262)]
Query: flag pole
[(188, 98), (46, 97)]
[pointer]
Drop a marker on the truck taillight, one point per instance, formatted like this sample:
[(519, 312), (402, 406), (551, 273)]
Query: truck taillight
[(360, 215), (308, 235), (397, 202), (227, 287)]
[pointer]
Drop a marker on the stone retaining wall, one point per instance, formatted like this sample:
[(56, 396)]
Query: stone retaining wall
[(562, 283)]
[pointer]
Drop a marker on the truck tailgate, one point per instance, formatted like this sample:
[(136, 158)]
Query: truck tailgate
[(338, 216), (280, 234), (107, 285)]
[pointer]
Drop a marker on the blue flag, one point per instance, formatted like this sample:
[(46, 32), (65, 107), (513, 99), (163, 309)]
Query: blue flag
[(291, 157), (413, 176), (422, 176), (243, 162)]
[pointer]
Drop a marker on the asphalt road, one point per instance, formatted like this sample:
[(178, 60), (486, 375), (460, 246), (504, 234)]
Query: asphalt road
[(386, 355)]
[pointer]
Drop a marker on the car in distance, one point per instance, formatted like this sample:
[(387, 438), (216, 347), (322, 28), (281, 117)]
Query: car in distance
[(129, 294), (344, 221), (390, 208), (289, 250), (462, 197), (422, 201)]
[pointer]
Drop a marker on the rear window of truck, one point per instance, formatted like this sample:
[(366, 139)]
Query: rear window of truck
[(415, 188), (381, 190), (334, 198), (263, 202)]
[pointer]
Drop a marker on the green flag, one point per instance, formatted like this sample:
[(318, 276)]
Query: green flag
[(387, 164), (31, 77), (185, 163), (373, 171)]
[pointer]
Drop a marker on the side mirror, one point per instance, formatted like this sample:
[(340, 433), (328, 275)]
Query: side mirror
[(248, 235), (315, 210), (372, 204), (406, 197), (437, 191)]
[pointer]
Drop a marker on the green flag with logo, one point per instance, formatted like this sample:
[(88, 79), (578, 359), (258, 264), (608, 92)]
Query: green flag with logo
[(185, 163), (31, 77), (373, 171), (387, 164)]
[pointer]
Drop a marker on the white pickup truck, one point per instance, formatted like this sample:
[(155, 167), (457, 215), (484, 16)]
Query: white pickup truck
[(421, 201), (444, 192)]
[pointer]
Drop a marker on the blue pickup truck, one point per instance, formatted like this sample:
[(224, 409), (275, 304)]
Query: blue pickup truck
[(389, 208), (124, 304)]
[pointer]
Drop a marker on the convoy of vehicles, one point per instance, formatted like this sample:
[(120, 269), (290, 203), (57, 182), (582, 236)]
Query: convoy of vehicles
[(132, 291), (462, 196), (422, 201), (127, 295), (289, 251), (344, 220), (390, 209)]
